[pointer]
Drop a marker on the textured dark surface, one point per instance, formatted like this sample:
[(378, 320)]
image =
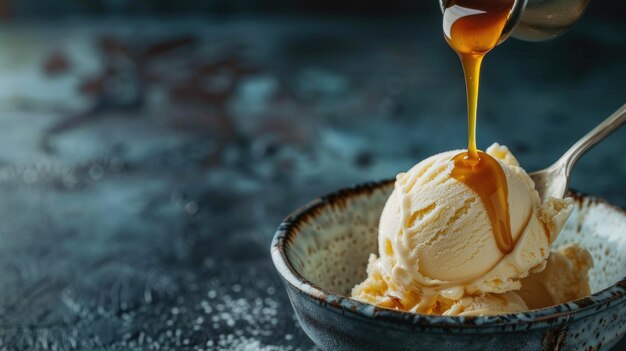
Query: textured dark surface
[(144, 165)]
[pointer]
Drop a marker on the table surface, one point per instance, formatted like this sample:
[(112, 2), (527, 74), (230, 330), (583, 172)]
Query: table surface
[(144, 165)]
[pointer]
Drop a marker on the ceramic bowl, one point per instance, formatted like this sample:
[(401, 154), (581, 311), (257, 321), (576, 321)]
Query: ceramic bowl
[(321, 252)]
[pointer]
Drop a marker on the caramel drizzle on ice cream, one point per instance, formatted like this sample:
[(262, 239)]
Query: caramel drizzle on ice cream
[(472, 28), (485, 176)]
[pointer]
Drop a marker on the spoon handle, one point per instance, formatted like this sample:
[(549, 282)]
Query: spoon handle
[(598, 133)]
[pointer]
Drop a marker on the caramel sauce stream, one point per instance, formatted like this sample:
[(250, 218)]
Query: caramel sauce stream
[(472, 28)]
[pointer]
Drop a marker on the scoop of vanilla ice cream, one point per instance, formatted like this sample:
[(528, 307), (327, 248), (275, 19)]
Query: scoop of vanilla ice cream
[(436, 240)]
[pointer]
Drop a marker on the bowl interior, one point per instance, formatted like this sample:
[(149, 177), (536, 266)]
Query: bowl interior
[(333, 241)]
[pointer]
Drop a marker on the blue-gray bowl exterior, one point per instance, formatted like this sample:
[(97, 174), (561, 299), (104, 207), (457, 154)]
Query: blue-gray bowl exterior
[(336, 322)]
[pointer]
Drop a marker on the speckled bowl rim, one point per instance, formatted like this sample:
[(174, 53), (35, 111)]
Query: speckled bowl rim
[(535, 319)]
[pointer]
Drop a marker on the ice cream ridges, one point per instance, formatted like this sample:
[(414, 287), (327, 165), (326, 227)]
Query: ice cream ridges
[(438, 253)]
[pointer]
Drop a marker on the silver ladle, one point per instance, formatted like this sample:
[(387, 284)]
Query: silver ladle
[(539, 20)]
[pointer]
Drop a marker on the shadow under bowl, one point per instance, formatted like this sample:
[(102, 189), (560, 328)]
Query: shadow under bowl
[(321, 252)]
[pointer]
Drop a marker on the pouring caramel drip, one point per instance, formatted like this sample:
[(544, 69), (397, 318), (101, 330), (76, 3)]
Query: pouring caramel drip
[(472, 28), (485, 176)]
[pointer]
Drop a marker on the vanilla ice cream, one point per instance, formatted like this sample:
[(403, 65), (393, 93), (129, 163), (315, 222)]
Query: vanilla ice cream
[(436, 242), (481, 305), (565, 278)]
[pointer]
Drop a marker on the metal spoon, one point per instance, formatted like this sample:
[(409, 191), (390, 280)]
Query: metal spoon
[(554, 180)]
